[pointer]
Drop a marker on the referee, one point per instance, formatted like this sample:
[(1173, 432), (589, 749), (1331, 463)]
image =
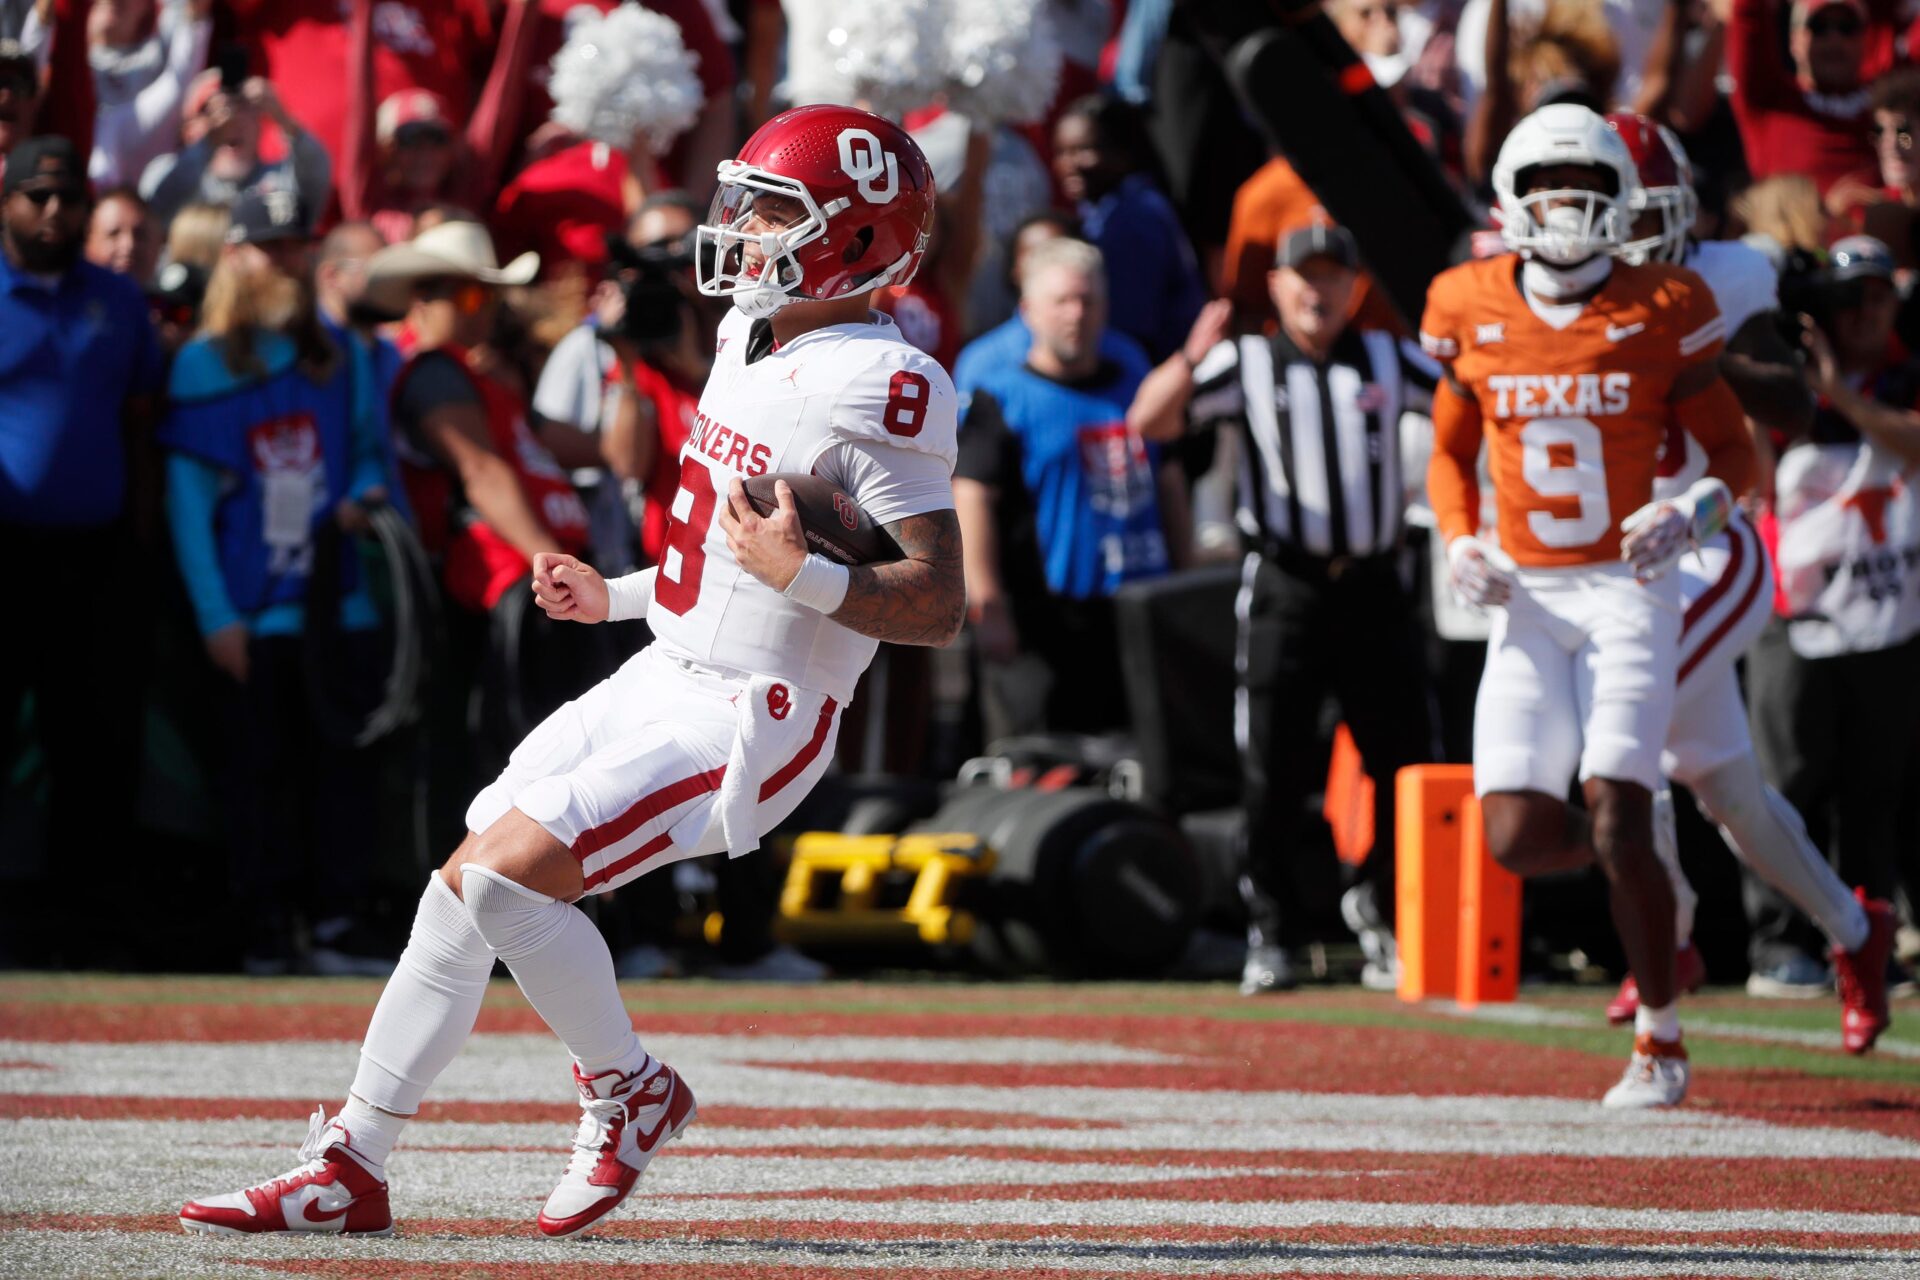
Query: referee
[(1323, 604)]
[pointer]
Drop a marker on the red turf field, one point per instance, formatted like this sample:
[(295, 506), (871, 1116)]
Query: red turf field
[(953, 1131)]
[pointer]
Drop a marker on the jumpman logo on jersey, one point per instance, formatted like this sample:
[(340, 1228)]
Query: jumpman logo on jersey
[(792, 374)]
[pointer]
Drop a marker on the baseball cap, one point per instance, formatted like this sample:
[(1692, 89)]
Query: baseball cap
[(1803, 10), (1859, 258), (30, 158), (14, 57), (409, 107), (263, 216), (1320, 240)]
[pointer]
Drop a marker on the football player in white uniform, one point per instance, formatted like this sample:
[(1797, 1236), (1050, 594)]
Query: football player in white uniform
[(712, 734), (1727, 594)]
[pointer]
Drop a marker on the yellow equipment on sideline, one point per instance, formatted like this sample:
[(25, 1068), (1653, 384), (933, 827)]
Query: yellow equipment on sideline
[(880, 889)]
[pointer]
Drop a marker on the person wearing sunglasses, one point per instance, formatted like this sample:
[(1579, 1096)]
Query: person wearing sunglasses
[(79, 370), (1808, 113), (489, 495)]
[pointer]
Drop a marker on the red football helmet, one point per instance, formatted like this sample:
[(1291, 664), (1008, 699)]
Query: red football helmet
[(822, 202), (1666, 185)]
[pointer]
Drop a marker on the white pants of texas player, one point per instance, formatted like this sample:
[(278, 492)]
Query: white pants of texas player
[(1580, 674), (634, 774), (1726, 592)]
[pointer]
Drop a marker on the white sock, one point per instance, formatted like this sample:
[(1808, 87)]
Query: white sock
[(425, 1014), (371, 1133), (1666, 847), (1768, 834), (1663, 1024), (562, 965)]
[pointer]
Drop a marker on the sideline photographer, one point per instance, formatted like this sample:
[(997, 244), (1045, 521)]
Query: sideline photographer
[(638, 309), (1838, 666)]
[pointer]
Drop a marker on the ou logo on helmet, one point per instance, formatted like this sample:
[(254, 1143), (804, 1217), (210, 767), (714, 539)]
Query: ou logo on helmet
[(863, 159)]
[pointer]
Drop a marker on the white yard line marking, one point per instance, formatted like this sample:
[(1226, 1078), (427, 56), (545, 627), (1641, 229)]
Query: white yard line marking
[(532, 1068), (1528, 1015), (89, 1255), (457, 1171)]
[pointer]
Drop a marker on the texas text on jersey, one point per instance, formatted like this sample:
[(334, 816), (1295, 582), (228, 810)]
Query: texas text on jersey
[(1575, 416)]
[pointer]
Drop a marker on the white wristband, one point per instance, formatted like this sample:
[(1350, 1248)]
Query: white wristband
[(629, 596), (821, 584)]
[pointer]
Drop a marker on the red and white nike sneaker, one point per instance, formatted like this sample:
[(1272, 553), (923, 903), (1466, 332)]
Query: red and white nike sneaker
[(333, 1190), (1657, 1076), (627, 1120), (1862, 978), (1689, 975)]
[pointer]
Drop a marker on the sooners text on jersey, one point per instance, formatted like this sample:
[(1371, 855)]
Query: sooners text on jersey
[(843, 383)]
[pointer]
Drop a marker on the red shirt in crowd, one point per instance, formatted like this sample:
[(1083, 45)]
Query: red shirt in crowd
[(1784, 127), (674, 405), (480, 566), (925, 317), (444, 46)]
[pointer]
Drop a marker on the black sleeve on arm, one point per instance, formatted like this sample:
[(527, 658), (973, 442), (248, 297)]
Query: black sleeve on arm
[(988, 454), (435, 381)]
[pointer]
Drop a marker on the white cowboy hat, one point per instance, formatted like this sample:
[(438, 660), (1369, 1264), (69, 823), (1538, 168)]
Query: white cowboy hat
[(461, 249)]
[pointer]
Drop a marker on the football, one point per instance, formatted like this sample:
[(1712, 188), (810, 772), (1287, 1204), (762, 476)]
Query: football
[(834, 524)]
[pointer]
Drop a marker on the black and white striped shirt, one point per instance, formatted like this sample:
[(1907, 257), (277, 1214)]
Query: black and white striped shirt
[(1322, 471)]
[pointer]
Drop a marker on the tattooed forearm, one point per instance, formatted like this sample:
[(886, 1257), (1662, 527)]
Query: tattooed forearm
[(919, 599)]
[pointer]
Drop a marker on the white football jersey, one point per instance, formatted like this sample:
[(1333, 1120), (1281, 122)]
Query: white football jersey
[(859, 384), (1744, 284)]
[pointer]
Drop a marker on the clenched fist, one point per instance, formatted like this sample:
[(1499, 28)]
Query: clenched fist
[(568, 588)]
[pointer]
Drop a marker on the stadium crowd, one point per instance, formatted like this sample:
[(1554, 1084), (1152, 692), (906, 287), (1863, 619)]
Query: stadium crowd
[(284, 280)]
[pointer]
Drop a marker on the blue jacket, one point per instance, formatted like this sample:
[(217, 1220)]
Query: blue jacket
[(1154, 288), (70, 358)]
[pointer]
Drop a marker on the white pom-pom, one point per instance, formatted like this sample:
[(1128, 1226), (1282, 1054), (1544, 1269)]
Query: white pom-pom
[(888, 55), (625, 72), (1002, 60)]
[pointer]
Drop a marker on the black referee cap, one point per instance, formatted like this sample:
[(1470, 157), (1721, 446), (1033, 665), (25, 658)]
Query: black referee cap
[(1317, 241)]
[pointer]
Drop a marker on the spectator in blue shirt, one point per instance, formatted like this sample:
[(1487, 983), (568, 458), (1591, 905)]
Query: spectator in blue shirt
[(1102, 158), (275, 442), (78, 365), (1008, 342), (1061, 501)]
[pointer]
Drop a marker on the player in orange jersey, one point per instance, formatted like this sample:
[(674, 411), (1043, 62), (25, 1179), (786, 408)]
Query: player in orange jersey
[(1572, 367)]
